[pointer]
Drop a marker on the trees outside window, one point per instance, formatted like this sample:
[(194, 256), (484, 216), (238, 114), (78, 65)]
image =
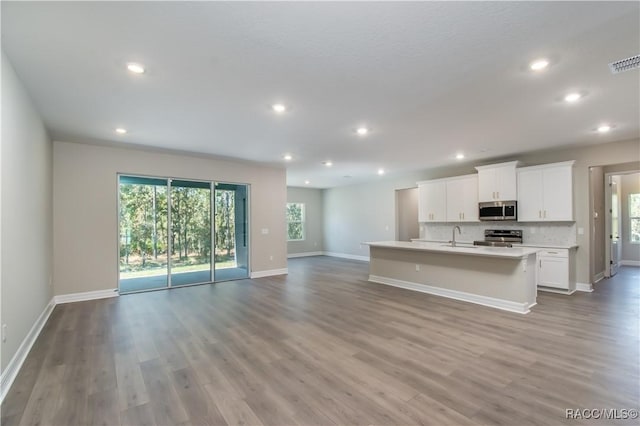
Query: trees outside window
[(295, 221), (634, 218)]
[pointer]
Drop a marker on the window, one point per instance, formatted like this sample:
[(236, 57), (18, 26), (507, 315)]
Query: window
[(295, 221), (634, 218)]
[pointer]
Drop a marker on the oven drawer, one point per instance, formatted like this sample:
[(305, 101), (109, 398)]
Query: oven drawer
[(553, 253)]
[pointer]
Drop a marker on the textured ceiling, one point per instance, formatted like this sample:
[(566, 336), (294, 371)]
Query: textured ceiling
[(430, 79)]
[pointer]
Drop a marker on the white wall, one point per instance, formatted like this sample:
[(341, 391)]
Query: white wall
[(26, 213), (630, 184), (313, 201), (362, 212), (85, 208)]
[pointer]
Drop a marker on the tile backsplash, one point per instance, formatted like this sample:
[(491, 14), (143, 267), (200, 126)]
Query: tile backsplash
[(553, 233)]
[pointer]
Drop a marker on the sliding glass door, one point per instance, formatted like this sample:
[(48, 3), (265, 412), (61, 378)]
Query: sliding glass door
[(143, 233), (179, 232), (231, 233), (190, 232)]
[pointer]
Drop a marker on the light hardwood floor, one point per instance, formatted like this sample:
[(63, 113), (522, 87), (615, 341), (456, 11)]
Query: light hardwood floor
[(322, 346)]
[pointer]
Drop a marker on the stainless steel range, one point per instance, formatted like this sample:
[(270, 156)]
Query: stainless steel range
[(500, 238)]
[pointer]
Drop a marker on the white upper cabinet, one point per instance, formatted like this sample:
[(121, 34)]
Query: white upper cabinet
[(448, 200), (545, 193), (432, 201), (462, 199), (497, 182)]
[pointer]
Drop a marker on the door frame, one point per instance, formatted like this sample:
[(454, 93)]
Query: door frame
[(607, 212), (169, 179)]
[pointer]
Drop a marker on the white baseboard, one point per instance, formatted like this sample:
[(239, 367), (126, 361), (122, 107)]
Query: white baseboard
[(586, 287), (347, 256), (506, 305), (269, 273), (599, 277), (11, 371), (87, 295), (630, 262), (305, 254)]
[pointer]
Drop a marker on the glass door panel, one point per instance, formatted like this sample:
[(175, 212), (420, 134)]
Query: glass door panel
[(143, 233), (190, 217), (231, 254)]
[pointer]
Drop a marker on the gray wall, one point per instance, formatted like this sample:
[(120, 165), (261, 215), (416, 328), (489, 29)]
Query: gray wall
[(358, 213), (630, 185), (313, 201), (26, 213), (85, 208)]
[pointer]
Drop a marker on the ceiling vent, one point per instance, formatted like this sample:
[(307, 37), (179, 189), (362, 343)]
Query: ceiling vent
[(625, 64)]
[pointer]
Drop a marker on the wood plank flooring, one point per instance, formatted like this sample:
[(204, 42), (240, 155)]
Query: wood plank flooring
[(322, 346)]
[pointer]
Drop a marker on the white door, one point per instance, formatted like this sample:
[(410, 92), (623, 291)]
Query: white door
[(530, 196), (486, 185), (557, 192), (505, 183), (616, 225)]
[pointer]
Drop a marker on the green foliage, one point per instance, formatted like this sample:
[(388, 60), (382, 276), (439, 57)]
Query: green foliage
[(634, 214), (295, 221), (144, 233)]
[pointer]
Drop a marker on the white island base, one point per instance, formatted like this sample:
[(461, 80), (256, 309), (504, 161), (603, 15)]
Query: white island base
[(502, 278)]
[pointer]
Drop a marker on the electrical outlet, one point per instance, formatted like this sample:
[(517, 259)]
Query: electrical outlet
[(265, 231), (4, 333), (580, 231), (417, 267)]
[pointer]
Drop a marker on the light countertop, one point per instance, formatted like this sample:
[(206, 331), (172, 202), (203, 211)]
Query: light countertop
[(461, 249), (538, 245)]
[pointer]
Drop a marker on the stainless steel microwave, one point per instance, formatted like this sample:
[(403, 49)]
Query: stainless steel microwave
[(498, 210)]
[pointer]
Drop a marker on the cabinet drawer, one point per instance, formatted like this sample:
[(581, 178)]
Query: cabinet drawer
[(554, 253)]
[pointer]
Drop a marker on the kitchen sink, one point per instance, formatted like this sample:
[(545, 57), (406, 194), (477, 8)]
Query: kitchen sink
[(459, 245)]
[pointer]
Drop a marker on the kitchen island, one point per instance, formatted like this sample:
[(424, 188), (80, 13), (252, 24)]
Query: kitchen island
[(499, 277)]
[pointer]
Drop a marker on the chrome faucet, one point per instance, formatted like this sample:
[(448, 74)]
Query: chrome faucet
[(453, 235)]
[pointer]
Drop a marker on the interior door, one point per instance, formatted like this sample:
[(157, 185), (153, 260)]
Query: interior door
[(616, 225)]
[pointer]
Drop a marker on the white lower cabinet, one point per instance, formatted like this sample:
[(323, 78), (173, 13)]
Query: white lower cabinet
[(555, 270)]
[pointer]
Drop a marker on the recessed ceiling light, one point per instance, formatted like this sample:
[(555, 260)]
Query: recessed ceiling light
[(362, 131), (572, 97), (539, 64), (287, 157), (306, 182), (121, 131), (279, 108), (459, 156), (135, 68), (604, 128), (380, 172), (327, 163)]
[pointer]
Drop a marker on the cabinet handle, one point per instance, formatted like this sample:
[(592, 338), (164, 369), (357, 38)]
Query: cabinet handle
[(463, 215), (498, 196), (539, 214), (494, 195), (540, 262), (545, 214)]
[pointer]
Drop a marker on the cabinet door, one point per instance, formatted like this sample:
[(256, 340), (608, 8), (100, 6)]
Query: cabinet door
[(558, 193), (455, 200), (530, 198), (432, 202), (505, 183), (469, 199), (486, 185), (553, 272)]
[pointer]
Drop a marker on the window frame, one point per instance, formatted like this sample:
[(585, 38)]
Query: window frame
[(632, 218), (302, 222)]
